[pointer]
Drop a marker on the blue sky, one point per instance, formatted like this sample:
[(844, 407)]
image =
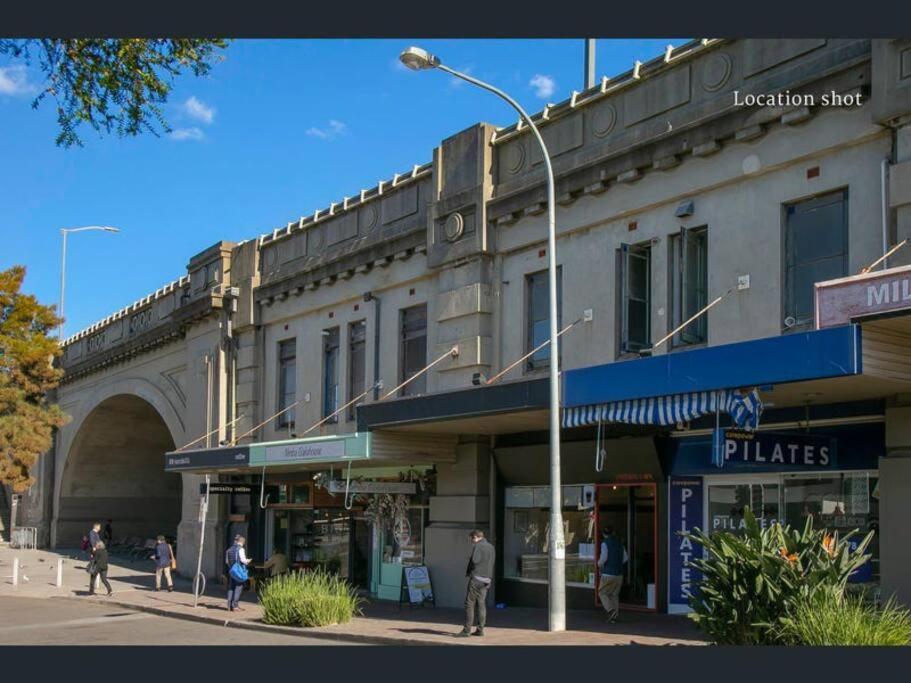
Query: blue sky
[(279, 129)]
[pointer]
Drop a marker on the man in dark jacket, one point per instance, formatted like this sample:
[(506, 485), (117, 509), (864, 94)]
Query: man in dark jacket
[(611, 558), (480, 576), (99, 565)]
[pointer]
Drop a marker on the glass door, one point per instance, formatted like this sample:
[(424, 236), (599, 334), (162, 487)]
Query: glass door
[(726, 501), (630, 509)]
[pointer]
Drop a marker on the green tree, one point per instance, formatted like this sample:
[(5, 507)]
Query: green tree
[(27, 374), (113, 85)]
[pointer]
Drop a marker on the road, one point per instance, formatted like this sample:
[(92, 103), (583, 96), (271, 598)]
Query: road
[(54, 621)]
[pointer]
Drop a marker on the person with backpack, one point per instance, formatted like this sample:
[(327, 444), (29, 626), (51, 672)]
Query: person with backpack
[(611, 558), (236, 561), (98, 568), (164, 563)]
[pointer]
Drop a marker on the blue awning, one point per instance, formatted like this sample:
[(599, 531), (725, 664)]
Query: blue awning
[(680, 386)]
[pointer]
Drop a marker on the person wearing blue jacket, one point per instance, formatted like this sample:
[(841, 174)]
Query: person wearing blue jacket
[(235, 588), (611, 558)]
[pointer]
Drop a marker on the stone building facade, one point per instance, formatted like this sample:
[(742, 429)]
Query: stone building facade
[(669, 194)]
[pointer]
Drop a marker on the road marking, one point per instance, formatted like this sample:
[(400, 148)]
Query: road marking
[(114, 618)]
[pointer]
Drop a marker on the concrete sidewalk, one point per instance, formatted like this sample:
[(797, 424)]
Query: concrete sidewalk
[(381, 623)]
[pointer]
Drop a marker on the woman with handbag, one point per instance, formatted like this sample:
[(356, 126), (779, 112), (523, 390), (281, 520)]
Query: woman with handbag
[(164, 563), (236, 560)]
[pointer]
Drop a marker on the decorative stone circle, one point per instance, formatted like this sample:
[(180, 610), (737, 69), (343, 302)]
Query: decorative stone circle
[(454, 226), (369, 216), (314, 239), (604, 120), (717, 71), (515, 157)]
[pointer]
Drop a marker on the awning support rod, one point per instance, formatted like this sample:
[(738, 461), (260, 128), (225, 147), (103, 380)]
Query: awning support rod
[(683, 325), (207, 434), (265, 422), (452, 353), (530, 353), (349, 502), (377, 385), (882, 258), (263, 503)]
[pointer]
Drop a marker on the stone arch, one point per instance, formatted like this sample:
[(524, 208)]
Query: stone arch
[(111, 464)]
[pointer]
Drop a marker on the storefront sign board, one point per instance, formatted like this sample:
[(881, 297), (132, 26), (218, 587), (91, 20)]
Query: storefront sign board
[(789, 451), (226, 489), (839, 302), (685, 511), (417, 579), (207, 458), (404, 487)]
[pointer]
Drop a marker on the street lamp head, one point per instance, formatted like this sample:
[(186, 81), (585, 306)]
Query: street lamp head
[(418, 59), (110, 229)]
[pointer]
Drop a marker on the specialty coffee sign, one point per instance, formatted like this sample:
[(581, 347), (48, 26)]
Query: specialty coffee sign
[(224, 489), (305, 451), (206, 458), (804, 451)]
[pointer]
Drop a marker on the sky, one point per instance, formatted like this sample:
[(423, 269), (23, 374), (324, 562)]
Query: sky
[(278, 129)]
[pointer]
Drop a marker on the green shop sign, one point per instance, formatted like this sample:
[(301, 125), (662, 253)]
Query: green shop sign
[(318, 449)]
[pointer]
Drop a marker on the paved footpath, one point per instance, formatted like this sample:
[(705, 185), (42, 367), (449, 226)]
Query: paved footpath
[(381, 623)]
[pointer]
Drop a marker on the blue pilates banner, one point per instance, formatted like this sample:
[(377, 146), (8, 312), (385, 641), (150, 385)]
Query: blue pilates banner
[(684, 512)]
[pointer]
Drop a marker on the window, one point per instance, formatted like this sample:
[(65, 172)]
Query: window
[(537, 305), (689, 284), (634, 274), (287, 382), (413, 336), (816, 249), (357, 362), (330, 372)]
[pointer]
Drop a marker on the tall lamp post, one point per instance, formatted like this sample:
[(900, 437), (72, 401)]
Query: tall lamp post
[(418, 60), (65, 232)]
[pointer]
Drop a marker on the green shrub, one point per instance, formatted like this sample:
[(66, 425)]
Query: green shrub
[(751, 581), (824, 620), (315, 598)]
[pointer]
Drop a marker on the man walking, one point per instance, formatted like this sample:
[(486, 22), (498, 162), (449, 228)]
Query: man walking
[(99, 569), (94, 536), (108, 535), (480, 576), (164, 558), (610, 562), (235, 554)]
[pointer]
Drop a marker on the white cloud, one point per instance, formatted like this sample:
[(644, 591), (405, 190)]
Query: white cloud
[(544, 85), (187, 134), (330, 132), (14, 81), (195, 109)]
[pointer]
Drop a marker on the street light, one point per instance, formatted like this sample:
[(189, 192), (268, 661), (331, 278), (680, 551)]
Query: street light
[(64, 232), (418, 59)]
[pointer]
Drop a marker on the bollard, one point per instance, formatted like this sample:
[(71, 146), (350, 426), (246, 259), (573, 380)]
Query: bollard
[(59, 573), (15, 571)]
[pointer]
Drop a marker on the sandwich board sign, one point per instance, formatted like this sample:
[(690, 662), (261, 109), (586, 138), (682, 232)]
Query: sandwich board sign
[(417, 581)]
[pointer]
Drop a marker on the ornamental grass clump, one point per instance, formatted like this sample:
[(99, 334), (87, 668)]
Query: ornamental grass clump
[(315, 598), (850, 620), (752, 582)]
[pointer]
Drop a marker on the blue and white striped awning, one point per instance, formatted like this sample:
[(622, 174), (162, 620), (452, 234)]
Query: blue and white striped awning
[(669, 410)]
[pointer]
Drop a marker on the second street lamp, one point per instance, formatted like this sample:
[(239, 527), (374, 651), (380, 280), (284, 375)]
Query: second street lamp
[(418, 59), (65, 232)]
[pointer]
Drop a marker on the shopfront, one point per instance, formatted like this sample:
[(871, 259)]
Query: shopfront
[(829, 474), (354, 505)]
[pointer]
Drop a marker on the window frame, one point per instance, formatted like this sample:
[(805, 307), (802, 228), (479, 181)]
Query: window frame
[(788, 298), (409, 389), (624, 253), (355, 389), (678, 281), (285, 420), (328, 335), (531, 365)]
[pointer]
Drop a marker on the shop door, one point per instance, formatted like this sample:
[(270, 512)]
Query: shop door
[(727, 499), (361, 551), (631, 510)]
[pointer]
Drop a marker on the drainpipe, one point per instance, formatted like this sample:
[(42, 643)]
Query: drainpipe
[(883, 170), (370, 296)]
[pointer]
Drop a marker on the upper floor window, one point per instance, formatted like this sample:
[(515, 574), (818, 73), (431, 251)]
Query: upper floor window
[(413, 349), (634, 287), (287, 382), (537, 306), (815, 250), (689, 284), (330, 372), (357, 362)]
